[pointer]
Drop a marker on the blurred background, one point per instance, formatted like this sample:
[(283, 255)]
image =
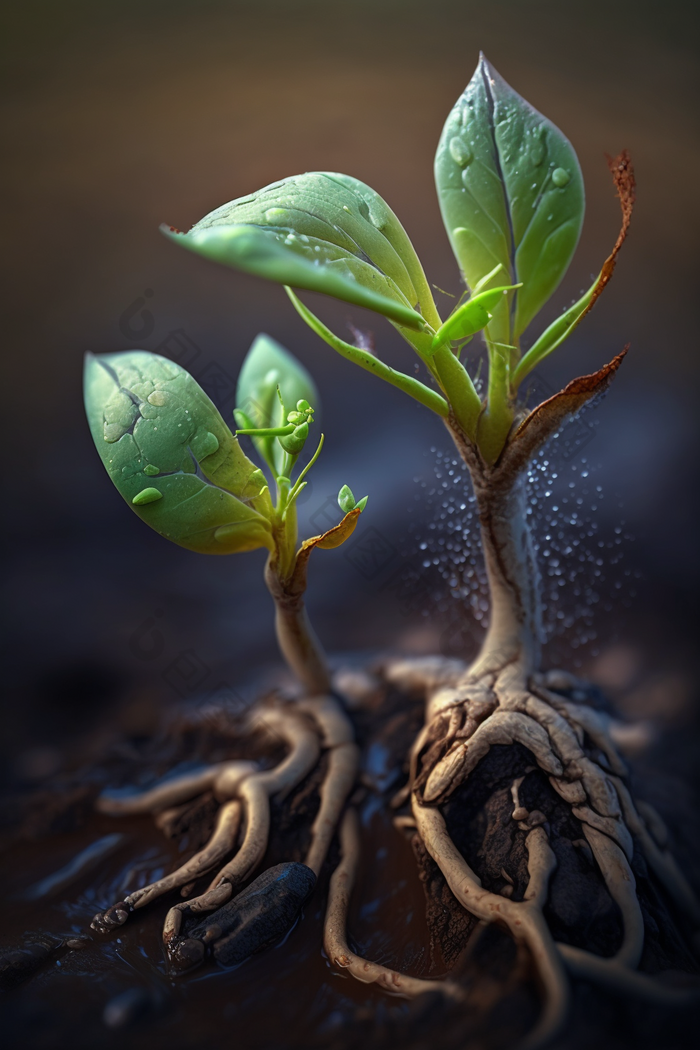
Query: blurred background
[(117, 116)]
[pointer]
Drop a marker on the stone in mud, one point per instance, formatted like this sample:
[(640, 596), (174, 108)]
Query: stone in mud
[(260, 915)]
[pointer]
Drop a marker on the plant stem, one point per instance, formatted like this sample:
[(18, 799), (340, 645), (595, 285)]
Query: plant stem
[(513, 636), (295, 635)]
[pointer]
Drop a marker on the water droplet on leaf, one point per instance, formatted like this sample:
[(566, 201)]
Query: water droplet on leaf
[(146, 496), (460, 152)]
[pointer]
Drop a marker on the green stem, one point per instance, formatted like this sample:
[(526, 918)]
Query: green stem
[(461, 392), (413, 387), (297, 484), (497, 419)]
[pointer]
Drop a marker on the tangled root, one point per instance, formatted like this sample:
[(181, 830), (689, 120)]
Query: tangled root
[(569, 741), (572, 744), (307, 727)]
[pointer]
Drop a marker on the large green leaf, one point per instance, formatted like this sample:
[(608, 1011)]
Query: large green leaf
[(511, 192), (171, 456), (268, 365), (323, 232)]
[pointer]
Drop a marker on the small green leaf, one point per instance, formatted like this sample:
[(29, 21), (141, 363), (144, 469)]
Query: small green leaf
[(346, 500), (511, 193), (324, 232), (266, 367), (471, 317), (362, 503), (172, 457), (554, 335)]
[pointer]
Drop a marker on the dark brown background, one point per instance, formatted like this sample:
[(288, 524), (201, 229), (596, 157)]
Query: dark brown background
[(117, 116)]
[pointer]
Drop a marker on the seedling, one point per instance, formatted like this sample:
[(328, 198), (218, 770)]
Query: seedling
[(177, 464), (511, 194)]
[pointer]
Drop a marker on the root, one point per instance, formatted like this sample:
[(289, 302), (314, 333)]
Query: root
[(523, 919), (503, 727), (342, 772), (257, 812), (334, 935), (662, 862), (245, 791), (343, 764), (222, 842), (615, 976), (454, 739), (173, 792), (619, 880)]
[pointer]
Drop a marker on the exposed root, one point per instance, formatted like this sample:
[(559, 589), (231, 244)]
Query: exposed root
[(523, 919), (662, 862), (620, 882), (335, 937), (222, 842), (173, 792), (305, 726), (572, 743), (614, 975), (257, 811)]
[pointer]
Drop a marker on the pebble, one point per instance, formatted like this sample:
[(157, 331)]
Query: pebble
[(260, 915)]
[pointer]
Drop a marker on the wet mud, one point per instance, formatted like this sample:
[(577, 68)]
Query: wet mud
[(65, 986)]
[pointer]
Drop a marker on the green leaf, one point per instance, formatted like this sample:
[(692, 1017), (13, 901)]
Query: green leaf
[(266, 367), (346, 500), (623, 175), (555, 335), (172, 457), (323, 232), (511, 192), (471, 317)]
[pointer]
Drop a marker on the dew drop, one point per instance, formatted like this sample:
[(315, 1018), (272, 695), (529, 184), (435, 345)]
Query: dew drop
[(560, 177), (275, 216), (146, 496), (460, 152)]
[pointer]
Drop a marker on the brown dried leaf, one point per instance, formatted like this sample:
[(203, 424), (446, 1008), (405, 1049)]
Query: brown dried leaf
[(623, 174), (326, 541), (547, 417)]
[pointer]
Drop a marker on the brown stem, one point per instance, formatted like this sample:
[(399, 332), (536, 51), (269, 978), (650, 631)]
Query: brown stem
[(295, 635), (514, 630)]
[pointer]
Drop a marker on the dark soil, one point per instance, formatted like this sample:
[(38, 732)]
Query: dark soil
[(67, 987)]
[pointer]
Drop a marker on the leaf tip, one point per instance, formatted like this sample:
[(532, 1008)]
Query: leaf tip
[(171, 232)]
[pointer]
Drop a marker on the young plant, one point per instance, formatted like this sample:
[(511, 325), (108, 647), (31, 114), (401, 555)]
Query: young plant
[(512, 200), (176, 463)]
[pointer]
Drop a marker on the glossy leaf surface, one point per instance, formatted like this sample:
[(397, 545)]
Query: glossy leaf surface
[(268, 365), (320, 231), (511, 192), (623, 175), (171, 456), (470, 318)]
